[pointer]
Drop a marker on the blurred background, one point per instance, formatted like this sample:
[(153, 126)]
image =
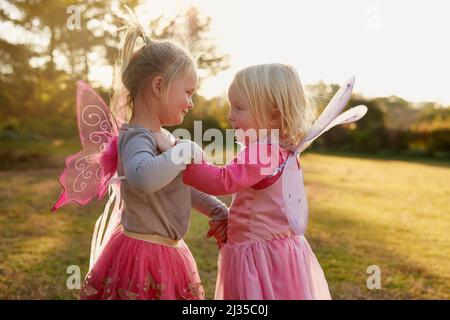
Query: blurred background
[(379, 189)]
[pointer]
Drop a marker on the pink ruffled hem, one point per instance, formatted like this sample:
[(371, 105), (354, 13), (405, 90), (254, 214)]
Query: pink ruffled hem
[(135, 269), (280, 269)]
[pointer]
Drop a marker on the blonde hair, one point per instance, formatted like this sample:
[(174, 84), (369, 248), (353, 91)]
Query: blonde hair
[(154, 57), (276, 87)]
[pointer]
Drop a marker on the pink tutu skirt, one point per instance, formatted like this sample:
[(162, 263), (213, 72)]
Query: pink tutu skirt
[(280, 269), (130, 268)]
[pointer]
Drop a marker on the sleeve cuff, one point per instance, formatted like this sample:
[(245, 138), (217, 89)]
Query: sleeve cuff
[(220, 213)]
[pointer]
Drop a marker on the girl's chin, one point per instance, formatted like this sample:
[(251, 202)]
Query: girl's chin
[(174, 122), (180, 119)]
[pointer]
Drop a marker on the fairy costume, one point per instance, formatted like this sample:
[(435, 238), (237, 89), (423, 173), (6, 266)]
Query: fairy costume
[(267, 255), (137, 249)]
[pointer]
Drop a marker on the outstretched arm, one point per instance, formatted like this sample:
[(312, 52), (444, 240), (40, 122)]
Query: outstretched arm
[(216, 210), (209, 205), (250, 166)]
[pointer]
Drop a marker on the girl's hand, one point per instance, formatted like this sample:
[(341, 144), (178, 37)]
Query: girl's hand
[(189, 152), (165, 140), (218, 230)]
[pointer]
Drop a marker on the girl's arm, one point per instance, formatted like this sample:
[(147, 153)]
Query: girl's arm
[(250, 166), (144, 169), (209, 205), (216, 210)]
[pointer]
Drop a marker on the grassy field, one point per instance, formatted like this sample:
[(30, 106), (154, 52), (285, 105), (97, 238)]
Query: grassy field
[(390, 213)]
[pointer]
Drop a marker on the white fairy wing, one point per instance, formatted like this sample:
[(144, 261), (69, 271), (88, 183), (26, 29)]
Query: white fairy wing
[(294, 195), (107, 223), (331, 111), (293, 184), (351, 115)]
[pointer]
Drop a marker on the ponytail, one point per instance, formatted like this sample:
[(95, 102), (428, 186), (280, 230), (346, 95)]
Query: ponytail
[(134, 30), (120, 100)]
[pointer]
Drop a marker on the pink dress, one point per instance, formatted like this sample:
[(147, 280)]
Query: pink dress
[(131, 268), (263, 258)]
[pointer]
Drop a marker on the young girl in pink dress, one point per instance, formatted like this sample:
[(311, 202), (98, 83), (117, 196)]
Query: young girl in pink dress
[(263, 257), (142, 255)]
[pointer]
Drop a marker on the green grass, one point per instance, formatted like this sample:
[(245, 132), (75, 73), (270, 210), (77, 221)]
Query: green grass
[(390, 213), (23, 154), (393, 214)]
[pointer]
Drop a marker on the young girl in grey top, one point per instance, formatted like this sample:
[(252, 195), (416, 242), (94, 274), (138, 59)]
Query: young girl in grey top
[(146, 257)]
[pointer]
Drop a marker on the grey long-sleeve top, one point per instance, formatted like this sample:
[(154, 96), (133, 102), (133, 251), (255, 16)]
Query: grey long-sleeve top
[(156, 201)]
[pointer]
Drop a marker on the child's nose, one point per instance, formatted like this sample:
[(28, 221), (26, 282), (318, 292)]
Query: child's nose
[(190, 103)]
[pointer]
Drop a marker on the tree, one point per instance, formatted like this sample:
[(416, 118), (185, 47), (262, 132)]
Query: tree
[(191, 29), (38, 78)]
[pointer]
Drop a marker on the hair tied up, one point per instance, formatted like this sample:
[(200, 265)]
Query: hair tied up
[(135, 25)]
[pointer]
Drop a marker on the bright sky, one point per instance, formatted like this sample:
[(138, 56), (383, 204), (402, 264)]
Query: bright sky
[(399, 47)]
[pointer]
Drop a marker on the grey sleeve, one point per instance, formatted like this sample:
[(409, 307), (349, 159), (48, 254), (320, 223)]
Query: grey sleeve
[(144, 170), (208, 205)]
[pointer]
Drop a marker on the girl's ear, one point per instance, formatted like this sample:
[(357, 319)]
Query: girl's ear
[(157, 85), (275, 119)]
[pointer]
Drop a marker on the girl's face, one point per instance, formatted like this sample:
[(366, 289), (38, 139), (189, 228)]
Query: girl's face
[(240, 115), (179, 100)]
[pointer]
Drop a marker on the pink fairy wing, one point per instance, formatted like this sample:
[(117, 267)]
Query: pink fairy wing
[(83, 178), (96, 124)]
